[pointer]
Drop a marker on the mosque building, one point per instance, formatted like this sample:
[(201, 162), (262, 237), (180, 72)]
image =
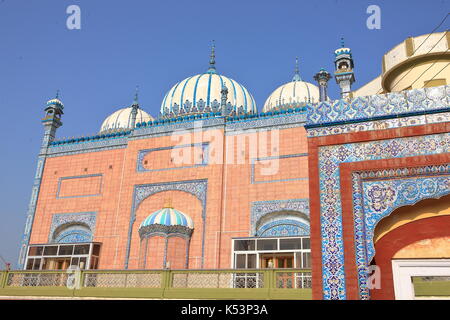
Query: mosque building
[(337, 186)]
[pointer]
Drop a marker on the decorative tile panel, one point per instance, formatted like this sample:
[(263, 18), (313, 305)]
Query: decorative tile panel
[(330, 157), (197, 188), (260, 208)]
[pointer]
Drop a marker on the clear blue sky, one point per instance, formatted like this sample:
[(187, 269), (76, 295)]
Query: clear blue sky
[(155, 44)]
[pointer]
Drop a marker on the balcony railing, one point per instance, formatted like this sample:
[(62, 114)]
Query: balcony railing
[(164, 284)]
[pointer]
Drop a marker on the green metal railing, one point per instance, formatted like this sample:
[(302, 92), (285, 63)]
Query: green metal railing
[(162, 284)]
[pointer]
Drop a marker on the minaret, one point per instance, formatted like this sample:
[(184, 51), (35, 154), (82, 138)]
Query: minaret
[(51, 122), (322, 77), (296, 71), (344, 69), (223, 98), (134, 110), (212, 59)]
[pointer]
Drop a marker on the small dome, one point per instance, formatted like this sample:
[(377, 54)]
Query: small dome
[(55, 102), (292, 95), (168, 217), (121, 119)]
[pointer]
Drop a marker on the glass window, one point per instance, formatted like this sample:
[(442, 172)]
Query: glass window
[(65, 250), (306, 260), (37, 264), (82, 249), (290, 244), (96, 250), (35, 251), (298, 260), (83, 263), (244, 245), (269, 244), (251, 261), (30, 264), (240, 261), (75, 261), (50, 250), (306, 244)]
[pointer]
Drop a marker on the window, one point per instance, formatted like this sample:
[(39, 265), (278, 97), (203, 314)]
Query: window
[(65, 250), (269, 244), (82, 249), (244, 245), (290, 244), (240, 261), (306, 243), (50, 250), (36, 251)]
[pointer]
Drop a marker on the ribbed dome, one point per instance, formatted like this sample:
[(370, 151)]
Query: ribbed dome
[(198, 92), (168, 217), (55, 102), (202, 93), (121, 119), (292, 94)]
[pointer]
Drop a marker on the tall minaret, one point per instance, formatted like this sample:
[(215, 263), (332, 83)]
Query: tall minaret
[(322, 77), (344, 69), (134, 110), (51, 122)]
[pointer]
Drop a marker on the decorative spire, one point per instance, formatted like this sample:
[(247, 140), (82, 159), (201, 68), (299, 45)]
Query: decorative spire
[(342, 42), (296, 71), (212, 59), (168, 203), (135, 100), (57, 94)]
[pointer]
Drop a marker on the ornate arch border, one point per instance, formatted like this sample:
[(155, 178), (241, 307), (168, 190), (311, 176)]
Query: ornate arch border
[(261, 208), (61, 219), (377, 193), (197, 188), (330, 160)]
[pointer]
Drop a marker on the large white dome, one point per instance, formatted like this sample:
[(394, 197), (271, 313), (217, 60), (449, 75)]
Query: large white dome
[(198, 92), (292, 94), (121, 119)]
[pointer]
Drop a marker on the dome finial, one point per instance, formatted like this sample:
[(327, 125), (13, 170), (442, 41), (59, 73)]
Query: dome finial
[(212, 59), (296, 71), (168, 203), (57, 94), (342, 42), (136, 93)]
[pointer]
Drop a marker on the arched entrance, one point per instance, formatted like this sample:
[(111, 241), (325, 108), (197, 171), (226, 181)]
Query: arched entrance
[(413, 251)]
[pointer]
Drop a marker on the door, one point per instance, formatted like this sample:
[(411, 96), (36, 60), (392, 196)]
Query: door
[(404, 272)]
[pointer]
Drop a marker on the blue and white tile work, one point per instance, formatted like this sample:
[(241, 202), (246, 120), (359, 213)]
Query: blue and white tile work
[(378, 107), (376, 194), (75, 227), (197, 188), (330, 157), (259, 209)]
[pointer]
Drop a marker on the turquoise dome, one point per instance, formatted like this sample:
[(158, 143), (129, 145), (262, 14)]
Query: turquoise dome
[(168, 217)]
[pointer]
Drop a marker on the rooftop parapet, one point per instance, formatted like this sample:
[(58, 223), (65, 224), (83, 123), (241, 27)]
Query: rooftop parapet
[(380, 106)]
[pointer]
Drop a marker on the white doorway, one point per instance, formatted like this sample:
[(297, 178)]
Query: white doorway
[(404, 270)]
